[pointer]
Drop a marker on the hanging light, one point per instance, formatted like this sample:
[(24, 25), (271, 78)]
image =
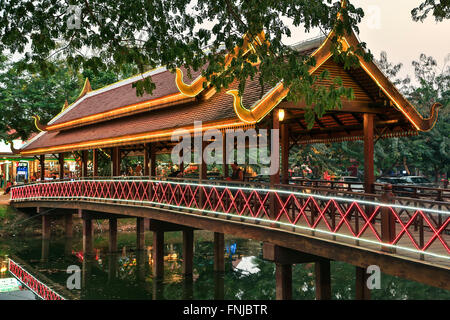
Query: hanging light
[(281, 114)]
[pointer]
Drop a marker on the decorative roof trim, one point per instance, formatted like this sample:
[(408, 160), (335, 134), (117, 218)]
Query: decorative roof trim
[(130, 139)]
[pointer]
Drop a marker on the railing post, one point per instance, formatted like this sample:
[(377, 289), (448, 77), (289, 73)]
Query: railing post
[(387, 218)]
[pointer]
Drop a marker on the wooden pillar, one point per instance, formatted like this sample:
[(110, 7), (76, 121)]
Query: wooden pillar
[(188, 251), (61, 165), (115, 161), (219, 252), (88, 248), (158, 254), (323, 280), (203, 166), (146, 160), (275, 161), (84, 165), (152, 160), (112, 235), (362, 292), (140, 234), (283, 278), (46, 227), (95, 162), (285, 153), (369, 177), (42, 166), (225, 167), (68, 224)]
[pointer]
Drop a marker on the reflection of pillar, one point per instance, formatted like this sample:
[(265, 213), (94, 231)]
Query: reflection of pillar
[(158, 289), (219, 285), (283, 278), (141, 261), (88, 248), (140, 234), (323, 280), (68, 225), (86, 271), (362, 292), (45, 250), (113, 235), (219, 249), (188, 251), (188, 287), (158, 254), (112, 266), (68, 246), (45, 226)]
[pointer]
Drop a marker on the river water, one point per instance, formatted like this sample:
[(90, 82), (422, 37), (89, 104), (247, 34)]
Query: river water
[(128, 274)]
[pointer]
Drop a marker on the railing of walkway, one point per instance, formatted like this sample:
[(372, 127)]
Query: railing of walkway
[(415, 228), (40, 289)]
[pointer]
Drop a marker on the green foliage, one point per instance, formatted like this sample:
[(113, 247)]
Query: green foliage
[(142, 35), (439, 9)]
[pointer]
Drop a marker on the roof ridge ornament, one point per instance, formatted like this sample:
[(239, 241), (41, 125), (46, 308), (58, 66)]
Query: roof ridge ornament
[(263, 106), (37, 123), (200, 83), (86, 88)]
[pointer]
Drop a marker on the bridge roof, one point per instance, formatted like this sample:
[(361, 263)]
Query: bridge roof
[(115, 115)]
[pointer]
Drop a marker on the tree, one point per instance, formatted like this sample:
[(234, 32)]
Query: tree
[(24, 94), (440, 9), (174, 33)]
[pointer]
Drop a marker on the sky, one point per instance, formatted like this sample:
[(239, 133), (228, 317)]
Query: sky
[(388, 26)]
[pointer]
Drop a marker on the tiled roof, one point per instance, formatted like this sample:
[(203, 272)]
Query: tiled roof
[(219, 107)]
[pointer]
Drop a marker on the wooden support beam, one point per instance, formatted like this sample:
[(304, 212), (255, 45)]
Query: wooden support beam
[(285, 153), (323, 279), (84, 163), (112, 235), (146, 160), (219, 252), (225, 166), (188, 252), (283, 279), (153, 159), (61, 165), (95, 162), (116, 159), (158, 225), (369, 177), (275, 253), (42, 166), (140, 233), (158, 254)]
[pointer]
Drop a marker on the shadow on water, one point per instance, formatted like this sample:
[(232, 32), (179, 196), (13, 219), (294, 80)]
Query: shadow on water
[(127, 274)]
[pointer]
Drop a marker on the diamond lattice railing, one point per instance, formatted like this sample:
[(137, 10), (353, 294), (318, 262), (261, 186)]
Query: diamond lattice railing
[(422, 229)]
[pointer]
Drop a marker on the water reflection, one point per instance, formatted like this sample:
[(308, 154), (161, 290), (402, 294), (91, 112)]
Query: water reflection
[(127, 274)]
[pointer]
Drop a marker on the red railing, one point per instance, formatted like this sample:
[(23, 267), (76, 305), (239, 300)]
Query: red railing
[(420, 228), (40, 289)]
